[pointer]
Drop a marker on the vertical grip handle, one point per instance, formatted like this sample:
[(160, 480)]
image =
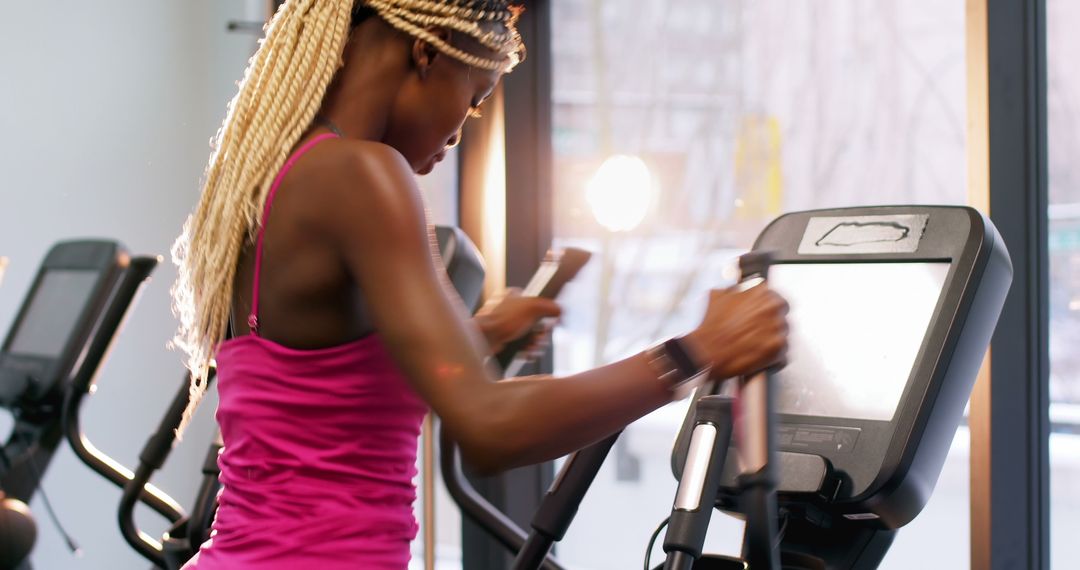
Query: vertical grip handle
[(757, 444)]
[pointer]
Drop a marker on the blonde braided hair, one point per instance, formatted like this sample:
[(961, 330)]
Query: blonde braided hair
[(415, 16), (279, 96)]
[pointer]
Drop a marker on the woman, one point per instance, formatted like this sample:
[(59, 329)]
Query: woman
[(310, 239)]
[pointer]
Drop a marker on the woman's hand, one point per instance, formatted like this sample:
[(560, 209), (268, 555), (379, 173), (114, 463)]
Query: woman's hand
[(743, 332), (510, 316)]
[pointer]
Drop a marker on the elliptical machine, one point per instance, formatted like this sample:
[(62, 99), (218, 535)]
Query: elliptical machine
[(60, 336), (892, 311)]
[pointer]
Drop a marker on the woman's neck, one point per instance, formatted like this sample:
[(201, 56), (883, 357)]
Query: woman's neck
[(361, 97)]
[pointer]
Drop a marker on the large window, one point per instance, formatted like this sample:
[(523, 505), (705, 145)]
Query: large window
[(1063, 131), (723, 116)]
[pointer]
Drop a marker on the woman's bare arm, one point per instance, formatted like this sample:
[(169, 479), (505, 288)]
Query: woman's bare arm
[(375, 215)]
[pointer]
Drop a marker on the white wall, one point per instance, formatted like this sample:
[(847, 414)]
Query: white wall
[(106, 110)]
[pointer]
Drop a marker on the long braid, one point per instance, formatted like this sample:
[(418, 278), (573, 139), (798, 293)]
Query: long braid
[(279, 96)]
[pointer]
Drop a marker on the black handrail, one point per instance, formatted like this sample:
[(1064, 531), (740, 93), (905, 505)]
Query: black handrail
[(152, 458), (205, 506), (124, 293), (560, 504), (476, 507), (471, 502)]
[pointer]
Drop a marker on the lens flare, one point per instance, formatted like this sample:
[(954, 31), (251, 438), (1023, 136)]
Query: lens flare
[(621, 193)]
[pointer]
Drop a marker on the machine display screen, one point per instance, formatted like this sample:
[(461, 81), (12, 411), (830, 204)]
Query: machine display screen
[(57, 304), (856, 329)]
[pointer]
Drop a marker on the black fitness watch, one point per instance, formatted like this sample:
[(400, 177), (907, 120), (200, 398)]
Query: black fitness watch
[(676, 368)]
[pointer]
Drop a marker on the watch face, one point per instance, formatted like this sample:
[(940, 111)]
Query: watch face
[(664, 367), (680, 382), (679, 352)]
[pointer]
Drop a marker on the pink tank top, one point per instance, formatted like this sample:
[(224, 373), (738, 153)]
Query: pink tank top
[(320, 451)]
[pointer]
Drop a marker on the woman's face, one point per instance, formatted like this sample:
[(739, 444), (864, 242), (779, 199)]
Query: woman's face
[(432, 106)]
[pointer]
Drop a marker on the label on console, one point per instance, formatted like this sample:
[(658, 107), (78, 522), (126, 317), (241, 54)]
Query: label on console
[(864, 234), (817, 439)]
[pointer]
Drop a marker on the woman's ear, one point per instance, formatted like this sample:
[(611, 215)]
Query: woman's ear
[(424, 54)]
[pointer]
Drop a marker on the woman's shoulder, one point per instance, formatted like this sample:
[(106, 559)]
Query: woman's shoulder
[(370, 157), (352, 181), (345, 165)]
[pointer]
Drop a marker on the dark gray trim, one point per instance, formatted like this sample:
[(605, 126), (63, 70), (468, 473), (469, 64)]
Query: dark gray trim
[(529, 149), (1020, 427), (527, 104)]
